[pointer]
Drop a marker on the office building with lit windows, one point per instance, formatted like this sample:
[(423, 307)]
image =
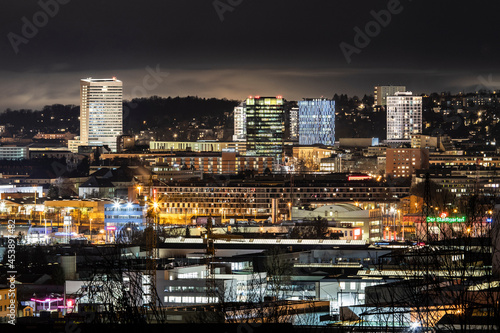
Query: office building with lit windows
[(101, 117), (316, 122), (123, 218), (404, 116), (265, 126)]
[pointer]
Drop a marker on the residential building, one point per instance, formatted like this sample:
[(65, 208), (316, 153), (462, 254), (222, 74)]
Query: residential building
[(436, 143), (6, 295), (317, 122), (265, 126), (381, 93), (240, 123), (293, 116), (101, 112), (404, 116), (403, 162)]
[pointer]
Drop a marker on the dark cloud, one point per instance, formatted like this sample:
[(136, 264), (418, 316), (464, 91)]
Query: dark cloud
[(262, 47)]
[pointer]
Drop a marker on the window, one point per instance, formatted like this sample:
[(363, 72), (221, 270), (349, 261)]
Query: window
[(342, 286), (353, 285)]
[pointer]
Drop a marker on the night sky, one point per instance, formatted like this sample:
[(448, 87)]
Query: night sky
[(290, 48)]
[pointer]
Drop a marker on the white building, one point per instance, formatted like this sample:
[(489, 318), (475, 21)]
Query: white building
[(294, 124), (404, 116), (240, 123), (11, 152), (381, 93), (101, 117)]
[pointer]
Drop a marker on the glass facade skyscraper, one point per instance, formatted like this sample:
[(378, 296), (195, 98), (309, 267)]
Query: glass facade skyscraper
[(316, 122), (101, 112), (265, 118)]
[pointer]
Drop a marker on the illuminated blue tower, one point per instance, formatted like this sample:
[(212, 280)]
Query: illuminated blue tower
[(316, 122)]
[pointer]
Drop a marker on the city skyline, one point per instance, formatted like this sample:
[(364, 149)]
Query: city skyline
[(164, 54), (326, 165)]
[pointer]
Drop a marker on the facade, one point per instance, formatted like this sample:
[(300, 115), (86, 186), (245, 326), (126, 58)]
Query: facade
[(125, 142), (14, 152), (368, 221), (181, 286), (265, 126), (117, 216), (331, 164), (403, 162), (294, 124), (316, 122), (197, 146), (358, 142), (404, 116), (381, 93), (268, 197), (8, 304), (240, 123), (217, 163), (464, 180), (74, 144), (311, 156), (101, 112)]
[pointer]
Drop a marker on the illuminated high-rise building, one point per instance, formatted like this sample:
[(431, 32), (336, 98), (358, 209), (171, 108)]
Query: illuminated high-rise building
[(101, 112), (404, 116), (294, 124), (240, 123), (317, 122), (265, 118), (381, 93)]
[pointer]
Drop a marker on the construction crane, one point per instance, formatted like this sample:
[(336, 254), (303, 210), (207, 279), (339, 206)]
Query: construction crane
[(209, 238)]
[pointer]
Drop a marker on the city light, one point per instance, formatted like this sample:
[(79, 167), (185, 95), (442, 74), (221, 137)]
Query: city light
[(445, 219)]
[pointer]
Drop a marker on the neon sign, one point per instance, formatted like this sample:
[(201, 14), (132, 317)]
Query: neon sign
[(446, 219)]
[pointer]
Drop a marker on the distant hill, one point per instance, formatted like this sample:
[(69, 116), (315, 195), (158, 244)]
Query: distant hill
[(140, 113), (165, 112)]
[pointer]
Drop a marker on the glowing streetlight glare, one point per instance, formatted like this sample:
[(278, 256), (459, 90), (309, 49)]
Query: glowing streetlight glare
[(155, 205)]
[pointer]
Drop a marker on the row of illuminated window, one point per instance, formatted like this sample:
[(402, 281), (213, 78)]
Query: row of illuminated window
[(124, 217), (190, 299), (356, 285)]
